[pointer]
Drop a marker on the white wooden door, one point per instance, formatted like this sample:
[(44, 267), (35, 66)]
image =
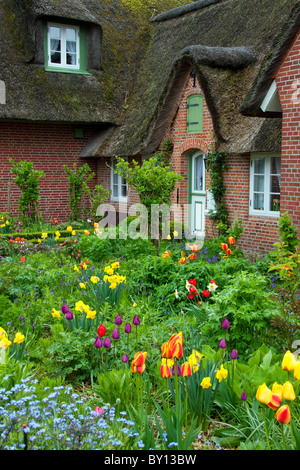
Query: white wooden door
[(197, 194)]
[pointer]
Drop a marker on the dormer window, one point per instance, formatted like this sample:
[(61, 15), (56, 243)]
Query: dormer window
[(65, 48)]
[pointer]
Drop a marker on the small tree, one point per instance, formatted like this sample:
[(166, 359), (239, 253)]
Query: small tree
[(78, 179), (27, 179), (154, 182)]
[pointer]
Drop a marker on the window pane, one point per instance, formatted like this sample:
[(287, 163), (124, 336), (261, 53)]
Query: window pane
[(71, 46), (259, 183), (259, 165), (258, 201), (274, 202), (55, 45), (115, 191), (198, 173)]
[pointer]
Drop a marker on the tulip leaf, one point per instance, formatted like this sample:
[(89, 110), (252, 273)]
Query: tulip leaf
[(296, 435)]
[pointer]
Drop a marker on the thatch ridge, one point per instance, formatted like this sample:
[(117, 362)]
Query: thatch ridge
[(183, 10)]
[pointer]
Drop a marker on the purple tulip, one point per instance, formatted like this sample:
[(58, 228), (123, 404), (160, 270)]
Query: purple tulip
[(98, 342), (225, 324), (107, 343), (233, 354), (118, 320), (64, 308), (128, 328), (178, 371), (125, 358), (222, 344), (244, 396), (69, 315), (115, 334), (136, 320)]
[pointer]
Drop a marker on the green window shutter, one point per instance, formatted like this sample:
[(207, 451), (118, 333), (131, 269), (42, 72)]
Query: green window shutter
[(195, 113)]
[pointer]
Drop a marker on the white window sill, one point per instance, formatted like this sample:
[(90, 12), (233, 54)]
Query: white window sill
[(273, 215)]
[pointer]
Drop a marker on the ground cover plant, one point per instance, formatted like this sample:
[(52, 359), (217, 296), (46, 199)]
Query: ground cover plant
[(107, 344)]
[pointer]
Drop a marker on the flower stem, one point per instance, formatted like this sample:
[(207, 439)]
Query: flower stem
[(283, 438), (266, 429)]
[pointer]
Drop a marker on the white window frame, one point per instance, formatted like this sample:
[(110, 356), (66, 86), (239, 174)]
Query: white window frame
[(265, 212), (63, 64), (120, 182)]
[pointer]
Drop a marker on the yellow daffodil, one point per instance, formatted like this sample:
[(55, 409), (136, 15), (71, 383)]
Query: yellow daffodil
[(91, 313), (44, 235), (194, 360), (221, 374), (19, 338), (94, 279), (57, 234), (289, 361), (108, 270), (79, 306), (39, 240), (55, 313), (134, 304), (76, 268), (113, 285), (115, 265), (206, 383), (69, 229), (82, 285), (73, 232), (4, 341)]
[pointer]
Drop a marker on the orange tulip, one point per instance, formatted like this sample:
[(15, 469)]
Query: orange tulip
[(177, 350), (138, 362), (192, 256), (283, 414), (224, 246), (165, 371), (231, 241), (186, 370), (165, 351)]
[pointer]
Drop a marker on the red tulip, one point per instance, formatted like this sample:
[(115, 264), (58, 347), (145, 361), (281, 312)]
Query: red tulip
[(283, 414), (275, 402), (101, 330)]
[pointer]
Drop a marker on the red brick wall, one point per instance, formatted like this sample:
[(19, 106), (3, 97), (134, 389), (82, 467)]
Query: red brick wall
[(288, 85), (49, 147), (260, 233)]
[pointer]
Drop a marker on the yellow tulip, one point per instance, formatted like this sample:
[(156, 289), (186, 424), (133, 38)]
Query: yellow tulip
[(264, 394), (289, 361), (277, 389), (288, 392), (69, 229), (297, 371)]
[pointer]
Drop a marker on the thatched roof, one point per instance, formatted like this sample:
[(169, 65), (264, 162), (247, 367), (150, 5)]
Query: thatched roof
[(227, 43), (137, 70), (117, 45)]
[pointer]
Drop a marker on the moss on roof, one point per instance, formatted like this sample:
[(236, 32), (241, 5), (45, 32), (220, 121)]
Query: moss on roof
[(253, 24)]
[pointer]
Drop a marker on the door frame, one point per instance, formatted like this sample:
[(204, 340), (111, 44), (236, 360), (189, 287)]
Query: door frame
[(191, 191)]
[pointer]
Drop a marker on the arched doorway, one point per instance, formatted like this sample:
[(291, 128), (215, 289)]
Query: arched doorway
[(197, 193)]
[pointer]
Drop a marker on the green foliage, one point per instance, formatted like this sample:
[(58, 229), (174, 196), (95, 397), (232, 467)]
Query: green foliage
[(97, 197), (27, 179), (288, 233), (218, 165), (116, 385), (248, 305), (78, 179)]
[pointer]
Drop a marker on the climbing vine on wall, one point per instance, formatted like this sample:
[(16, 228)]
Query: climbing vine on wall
[(217, 166)]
